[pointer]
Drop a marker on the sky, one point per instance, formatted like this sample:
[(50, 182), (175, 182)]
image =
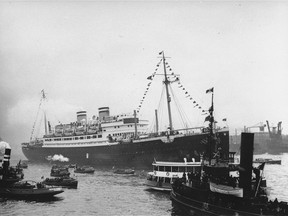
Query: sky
[(88, 54)]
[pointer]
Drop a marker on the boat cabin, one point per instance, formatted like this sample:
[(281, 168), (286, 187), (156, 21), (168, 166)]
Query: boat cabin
[(165, 173)]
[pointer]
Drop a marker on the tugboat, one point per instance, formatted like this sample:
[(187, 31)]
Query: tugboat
[(8, 175), (11, 184), (217, 192)]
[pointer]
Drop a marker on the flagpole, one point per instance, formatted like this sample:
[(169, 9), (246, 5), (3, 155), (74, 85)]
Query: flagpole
[(211, 120)]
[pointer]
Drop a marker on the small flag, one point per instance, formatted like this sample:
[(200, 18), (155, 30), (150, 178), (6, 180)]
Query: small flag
[(210, 90), (160, 53), (211, 109), (207, 118), (150, 77)]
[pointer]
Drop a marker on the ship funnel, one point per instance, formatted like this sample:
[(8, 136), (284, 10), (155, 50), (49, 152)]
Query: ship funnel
[(103, 112), (7, 153), (81, 116), (246, 160)]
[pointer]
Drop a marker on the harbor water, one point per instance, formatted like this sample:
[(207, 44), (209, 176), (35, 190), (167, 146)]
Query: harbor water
[(107, 193)]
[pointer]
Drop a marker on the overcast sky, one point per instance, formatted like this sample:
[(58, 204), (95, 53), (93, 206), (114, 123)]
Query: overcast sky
[(91, 54)]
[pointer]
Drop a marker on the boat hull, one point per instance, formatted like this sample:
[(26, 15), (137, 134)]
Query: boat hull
[(138, 153), (30, 193), (62, 182), (153, 185), (204, 208)]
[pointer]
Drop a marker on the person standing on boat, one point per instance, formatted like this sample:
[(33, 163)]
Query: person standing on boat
[(184, 178)]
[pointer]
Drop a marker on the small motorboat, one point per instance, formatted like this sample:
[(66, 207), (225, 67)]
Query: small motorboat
[(84, 169), (267, 161), (72, 165), (23, 164), (67, 182), (59, 171), (124, 171), (30, 190)]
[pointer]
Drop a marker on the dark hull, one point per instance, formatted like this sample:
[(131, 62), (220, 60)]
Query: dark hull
[(137, 154), (206, 202), (203, 208), (28, 193), (62, 183)]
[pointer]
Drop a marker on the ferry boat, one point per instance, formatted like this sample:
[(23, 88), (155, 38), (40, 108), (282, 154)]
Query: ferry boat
[(123, 140), (165, 173)]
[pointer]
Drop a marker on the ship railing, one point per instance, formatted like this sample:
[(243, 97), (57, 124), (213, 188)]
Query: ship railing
[(178, 132)]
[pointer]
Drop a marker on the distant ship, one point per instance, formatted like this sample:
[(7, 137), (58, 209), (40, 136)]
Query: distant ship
[(270, 141), (123, 140)]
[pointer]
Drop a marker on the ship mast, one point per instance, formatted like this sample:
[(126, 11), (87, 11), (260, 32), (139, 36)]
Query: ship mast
[(167, 82)]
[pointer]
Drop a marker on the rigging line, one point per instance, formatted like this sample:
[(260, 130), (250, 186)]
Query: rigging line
[(38, 128), (162, 104), (148, 87), (34, 124), (179, 108), (188, 122)]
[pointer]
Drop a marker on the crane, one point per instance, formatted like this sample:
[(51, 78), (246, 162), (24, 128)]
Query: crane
[(259, 125), (273, 133)]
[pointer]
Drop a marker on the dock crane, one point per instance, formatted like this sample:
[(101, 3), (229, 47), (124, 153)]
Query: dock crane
[(259, 125), (275, 133)]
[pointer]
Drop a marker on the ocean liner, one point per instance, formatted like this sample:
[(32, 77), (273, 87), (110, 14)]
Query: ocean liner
[(122, 140)]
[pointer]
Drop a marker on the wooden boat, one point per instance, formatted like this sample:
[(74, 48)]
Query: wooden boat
[(124, 171), (61, 181), (23, 164), (267, 160), (165, 173), (30, 190), (59, 171), (84, 169)]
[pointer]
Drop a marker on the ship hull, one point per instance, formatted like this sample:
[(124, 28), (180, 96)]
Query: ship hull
[(136, 154)]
